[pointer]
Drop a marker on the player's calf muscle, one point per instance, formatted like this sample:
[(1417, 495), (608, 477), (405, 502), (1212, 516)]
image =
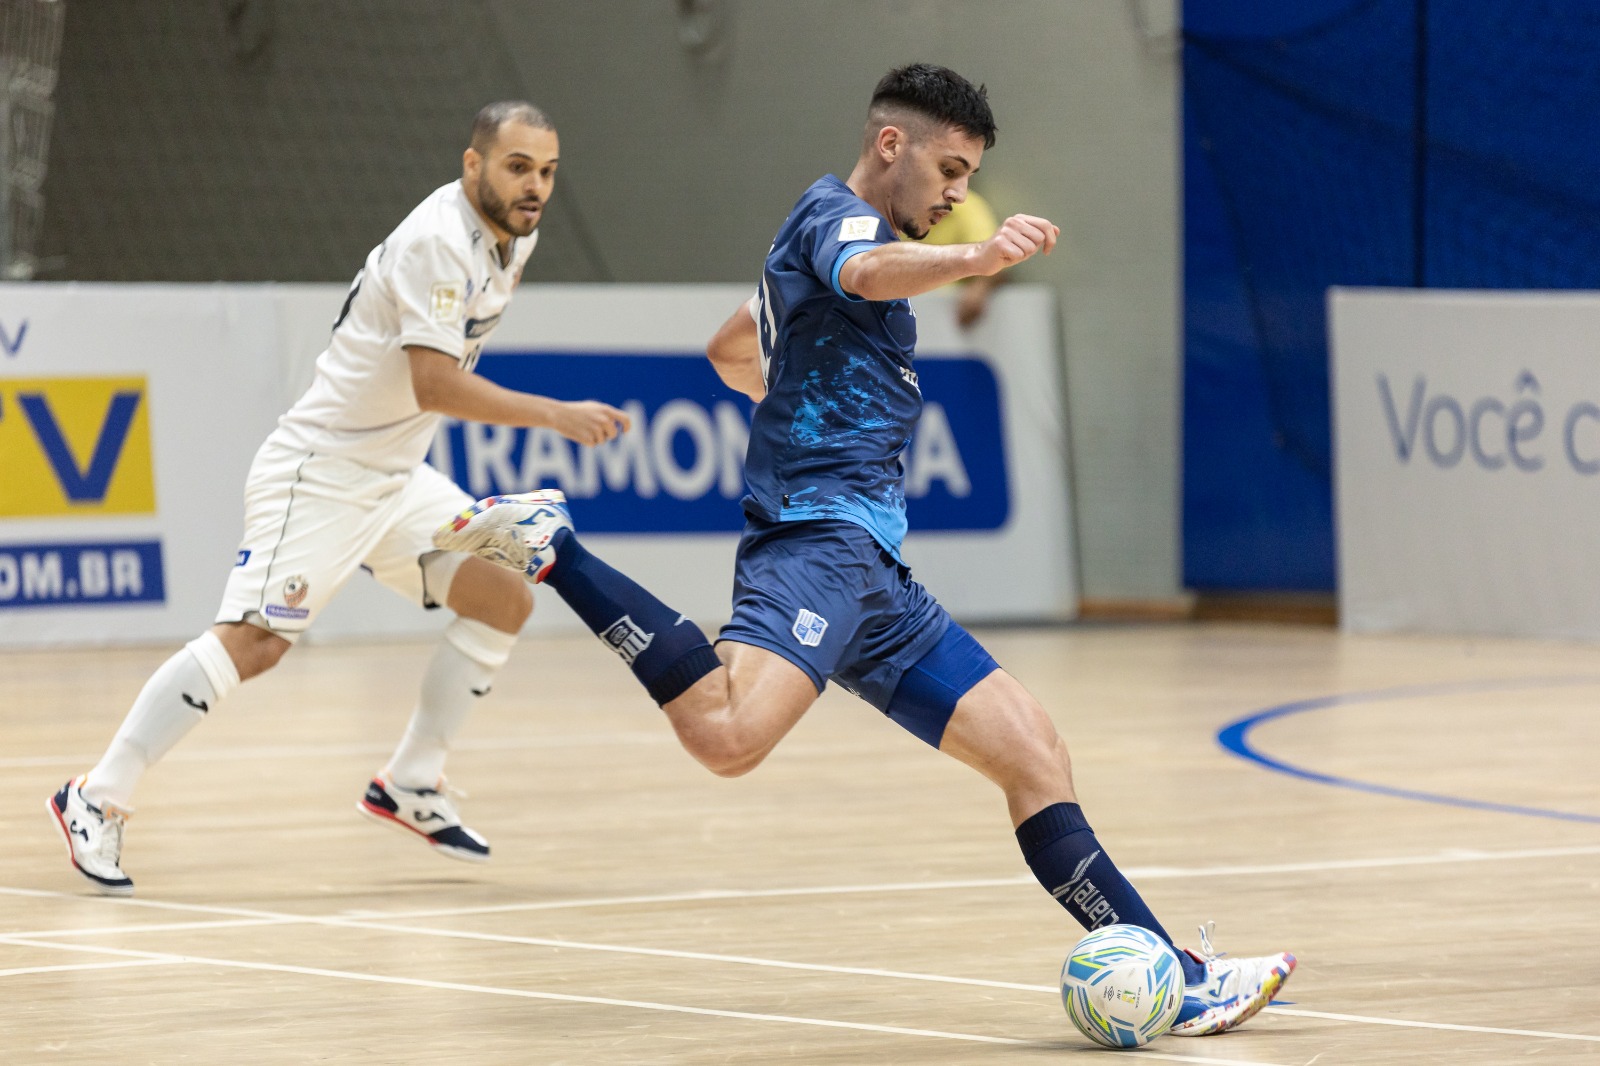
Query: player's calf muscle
[(726, 751), (730, 732), (708, 728)]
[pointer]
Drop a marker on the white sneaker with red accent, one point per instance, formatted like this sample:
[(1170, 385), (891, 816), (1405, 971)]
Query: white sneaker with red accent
[(93, 836), (426, 813), (510, 531), (1233, 992)]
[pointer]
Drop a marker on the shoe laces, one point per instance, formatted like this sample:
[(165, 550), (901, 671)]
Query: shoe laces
[(1232, 974), (444, 794), (1208, 951), (1220, 970), (445, 789), (108, 847)]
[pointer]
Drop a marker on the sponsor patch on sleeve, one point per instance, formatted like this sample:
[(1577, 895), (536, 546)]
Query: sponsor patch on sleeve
[(445, 301), (859, 228)]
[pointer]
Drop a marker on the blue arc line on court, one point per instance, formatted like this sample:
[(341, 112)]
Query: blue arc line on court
[(1235, 738)]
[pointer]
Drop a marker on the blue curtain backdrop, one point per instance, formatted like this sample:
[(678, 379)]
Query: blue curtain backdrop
[(1444, 143)]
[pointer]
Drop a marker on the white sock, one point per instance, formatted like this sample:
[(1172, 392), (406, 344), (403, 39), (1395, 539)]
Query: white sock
[(463, 667), (197, 678)]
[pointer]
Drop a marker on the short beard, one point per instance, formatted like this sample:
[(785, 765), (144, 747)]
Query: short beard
[(909, 229), (497, 210)]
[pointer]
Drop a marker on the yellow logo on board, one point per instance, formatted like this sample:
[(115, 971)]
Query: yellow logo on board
[(75, 446)]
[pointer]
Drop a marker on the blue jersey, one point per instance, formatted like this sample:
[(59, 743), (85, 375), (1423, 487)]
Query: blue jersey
[(842, 399)]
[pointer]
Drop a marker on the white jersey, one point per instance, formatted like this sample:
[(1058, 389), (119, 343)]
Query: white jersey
[(436, 282)]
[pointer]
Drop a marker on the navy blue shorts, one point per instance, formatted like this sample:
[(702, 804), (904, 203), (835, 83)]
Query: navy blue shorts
[(825, 596)]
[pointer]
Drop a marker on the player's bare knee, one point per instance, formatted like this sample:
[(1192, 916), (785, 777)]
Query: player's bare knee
[(263, 656), (488, 594), (254, 650), (1062, 755), (1039, 766), (513, 604), (1032, 757)]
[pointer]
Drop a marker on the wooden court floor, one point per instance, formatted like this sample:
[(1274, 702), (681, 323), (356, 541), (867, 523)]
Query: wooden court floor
[(1426, 839)]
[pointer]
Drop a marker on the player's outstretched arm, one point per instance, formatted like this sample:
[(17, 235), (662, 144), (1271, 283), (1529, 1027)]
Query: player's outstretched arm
[(440, 385), (904, 268), (735, 353)]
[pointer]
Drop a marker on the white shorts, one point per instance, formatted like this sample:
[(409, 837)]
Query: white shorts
[(310, 520)]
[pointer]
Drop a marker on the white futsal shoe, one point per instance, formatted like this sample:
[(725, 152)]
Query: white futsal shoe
[(1233, 992), (93, 836), (510, 531), (428, 813)]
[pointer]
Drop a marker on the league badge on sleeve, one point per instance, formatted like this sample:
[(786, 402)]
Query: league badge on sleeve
[(445, 301), (858, 228)]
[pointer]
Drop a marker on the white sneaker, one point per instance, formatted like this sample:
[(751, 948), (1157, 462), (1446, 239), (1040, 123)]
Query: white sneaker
[(510, 531), (93, 836), (1233, 992), (426, 812)]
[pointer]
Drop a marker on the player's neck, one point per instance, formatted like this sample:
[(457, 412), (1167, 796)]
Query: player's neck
[(502, 239), (502, 242), (860, 182)]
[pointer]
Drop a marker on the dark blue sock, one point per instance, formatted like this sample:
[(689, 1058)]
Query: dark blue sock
[(1069, 862), (665, 651)]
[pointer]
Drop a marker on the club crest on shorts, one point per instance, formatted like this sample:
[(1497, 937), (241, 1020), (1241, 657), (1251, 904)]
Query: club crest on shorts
[(295, 589), (809, 627), (626, 639)]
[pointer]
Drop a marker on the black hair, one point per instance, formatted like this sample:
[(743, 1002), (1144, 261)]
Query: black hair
[(937, 93), (486, 127)]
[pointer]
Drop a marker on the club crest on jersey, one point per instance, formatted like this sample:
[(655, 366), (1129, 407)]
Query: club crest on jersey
[(859, 228), (445, 301), (295, 589), (809, 627)]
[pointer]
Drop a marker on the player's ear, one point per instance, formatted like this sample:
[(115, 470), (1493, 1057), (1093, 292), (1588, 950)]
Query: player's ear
[(891, 141), (471, 162)]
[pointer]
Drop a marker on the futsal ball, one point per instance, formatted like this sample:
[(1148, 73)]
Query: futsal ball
[(1122, 986)]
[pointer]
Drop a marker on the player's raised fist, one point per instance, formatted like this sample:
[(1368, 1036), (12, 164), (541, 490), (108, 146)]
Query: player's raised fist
[(1018, 238), (591, 422)]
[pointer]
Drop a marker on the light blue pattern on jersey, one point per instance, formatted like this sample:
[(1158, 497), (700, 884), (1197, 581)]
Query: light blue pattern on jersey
[(841, 399)]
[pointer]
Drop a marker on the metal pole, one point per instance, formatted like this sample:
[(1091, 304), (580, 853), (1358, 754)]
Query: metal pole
[(7, 237)]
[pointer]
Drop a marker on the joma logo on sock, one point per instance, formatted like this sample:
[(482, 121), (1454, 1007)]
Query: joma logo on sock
[(1080, 892), (626, 639)]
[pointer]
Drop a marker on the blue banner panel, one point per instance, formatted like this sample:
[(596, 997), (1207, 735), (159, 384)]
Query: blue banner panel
[(1356, 143), (681, 469), (81, 574)]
